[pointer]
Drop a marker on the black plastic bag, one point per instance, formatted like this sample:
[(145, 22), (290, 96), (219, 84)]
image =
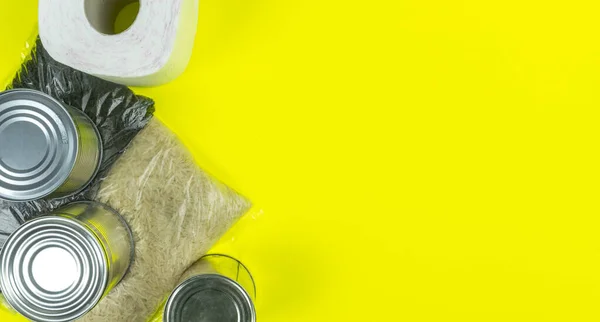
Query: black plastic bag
[(118, 113)]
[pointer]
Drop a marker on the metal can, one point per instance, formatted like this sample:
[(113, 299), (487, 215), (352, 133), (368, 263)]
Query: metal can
[(47, 149), (216, 288), (57, 268)]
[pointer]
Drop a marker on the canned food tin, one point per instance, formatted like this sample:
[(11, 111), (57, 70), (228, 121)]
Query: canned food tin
[(46, 148), (217, 288), (58, 267)]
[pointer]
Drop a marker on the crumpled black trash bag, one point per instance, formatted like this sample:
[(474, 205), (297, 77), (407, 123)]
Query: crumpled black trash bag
[(118, 113)]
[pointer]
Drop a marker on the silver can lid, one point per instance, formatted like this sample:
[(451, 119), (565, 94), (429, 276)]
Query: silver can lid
[(38, 145), (209, 298), (53, 269)]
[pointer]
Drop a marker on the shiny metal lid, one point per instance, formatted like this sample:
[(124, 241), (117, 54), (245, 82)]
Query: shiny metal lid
[(209, 298), (38, 145), (53, 269)]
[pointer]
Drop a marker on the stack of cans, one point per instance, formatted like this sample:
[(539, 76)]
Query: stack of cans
[(57, 267)]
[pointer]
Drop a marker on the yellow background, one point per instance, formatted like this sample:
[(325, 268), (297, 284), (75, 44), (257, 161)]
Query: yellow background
[(414, 160)]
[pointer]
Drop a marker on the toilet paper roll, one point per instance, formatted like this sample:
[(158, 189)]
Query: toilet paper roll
[(154, 50)]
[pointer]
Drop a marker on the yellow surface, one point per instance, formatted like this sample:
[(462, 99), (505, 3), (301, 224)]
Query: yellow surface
[(414, 160)]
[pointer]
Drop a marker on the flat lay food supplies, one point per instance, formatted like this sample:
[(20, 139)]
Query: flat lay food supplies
[(104, 215)]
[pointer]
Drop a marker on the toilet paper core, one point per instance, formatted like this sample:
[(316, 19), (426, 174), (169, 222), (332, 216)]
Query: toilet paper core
[(103, 15)]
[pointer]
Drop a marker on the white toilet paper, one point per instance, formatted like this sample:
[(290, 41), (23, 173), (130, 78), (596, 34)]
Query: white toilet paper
[(153, 51)]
